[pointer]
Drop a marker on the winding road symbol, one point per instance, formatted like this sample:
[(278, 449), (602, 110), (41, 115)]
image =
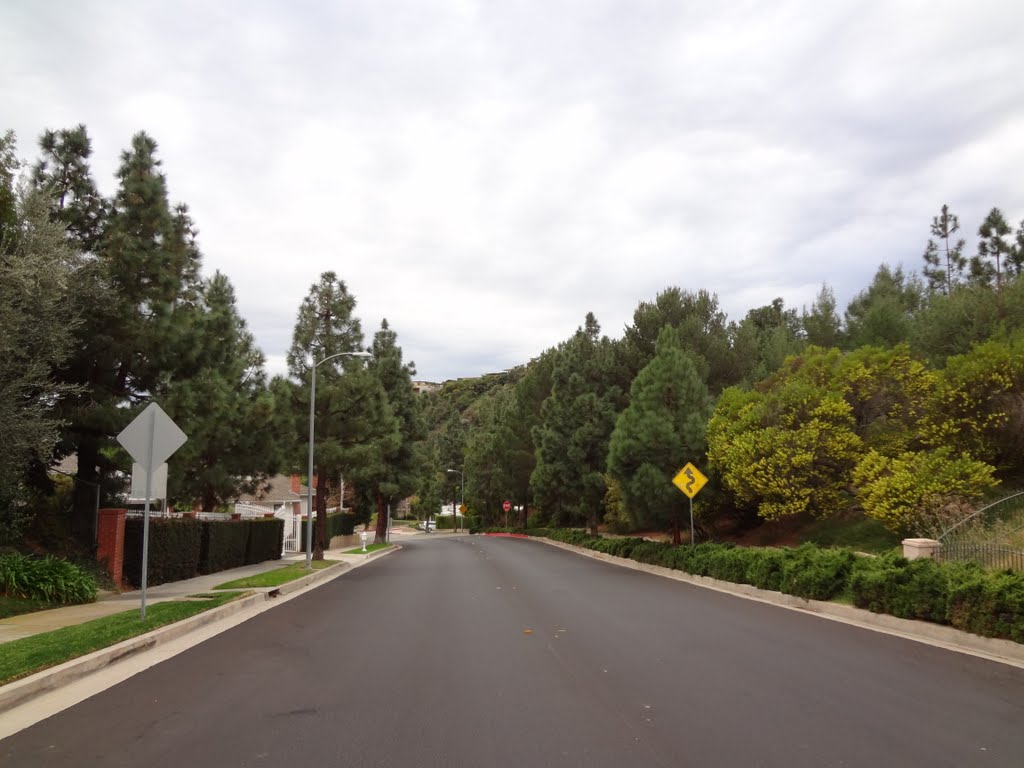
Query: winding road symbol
[(689, 480)]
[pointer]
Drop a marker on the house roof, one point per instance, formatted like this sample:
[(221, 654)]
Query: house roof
[(278, 489)]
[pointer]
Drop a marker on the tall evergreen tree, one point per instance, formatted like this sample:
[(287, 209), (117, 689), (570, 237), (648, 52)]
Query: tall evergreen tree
[(660, 430), (822, 326), (881, 315), (992, 263), (223, 403), (398, 475), (572, 440), (764, 338), (326, 326), (944, 268), (63, 173), (702, 327), (128, 341)]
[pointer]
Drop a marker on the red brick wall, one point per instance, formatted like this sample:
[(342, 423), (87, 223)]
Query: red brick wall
[(110, 542)]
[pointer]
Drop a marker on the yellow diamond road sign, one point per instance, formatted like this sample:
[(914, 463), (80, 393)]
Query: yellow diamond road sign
[(689, 480)]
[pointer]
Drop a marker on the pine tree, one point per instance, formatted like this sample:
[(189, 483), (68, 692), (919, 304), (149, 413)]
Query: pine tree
[(223, 403), (944, 269), (128, 342), (327, 326), (578, 418), (63, 173), (822, 326), (659, 432), (882, 314), (399, 472), (992, 262), (702, 327)]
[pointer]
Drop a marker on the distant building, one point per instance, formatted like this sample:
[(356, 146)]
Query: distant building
[(421, 387)]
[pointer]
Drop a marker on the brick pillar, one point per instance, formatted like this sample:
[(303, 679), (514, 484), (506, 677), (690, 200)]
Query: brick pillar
[(110, 542)]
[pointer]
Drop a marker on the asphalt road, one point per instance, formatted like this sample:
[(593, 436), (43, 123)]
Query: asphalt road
[(472, 651)]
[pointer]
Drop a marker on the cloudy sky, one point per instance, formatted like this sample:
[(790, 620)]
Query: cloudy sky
[(484, 173)]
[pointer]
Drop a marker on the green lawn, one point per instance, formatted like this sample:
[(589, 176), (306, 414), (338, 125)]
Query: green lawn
[(369, 548), (276, 577), (24, 657)]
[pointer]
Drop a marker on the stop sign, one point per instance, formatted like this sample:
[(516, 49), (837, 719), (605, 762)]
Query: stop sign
[(507, 505)]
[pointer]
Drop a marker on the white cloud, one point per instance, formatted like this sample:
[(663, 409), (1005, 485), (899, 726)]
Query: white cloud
[(483, 174)]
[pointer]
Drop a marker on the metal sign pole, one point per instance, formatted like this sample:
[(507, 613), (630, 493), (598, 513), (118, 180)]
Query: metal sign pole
[(145, 515), (691, 521), (145, 543)]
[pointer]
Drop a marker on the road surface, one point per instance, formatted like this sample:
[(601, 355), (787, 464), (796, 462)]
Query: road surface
[(474, 651)]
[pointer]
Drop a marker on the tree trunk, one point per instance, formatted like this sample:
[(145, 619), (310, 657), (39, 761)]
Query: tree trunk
[(83, 508), (380, 536), (320, 542), (676, 537)]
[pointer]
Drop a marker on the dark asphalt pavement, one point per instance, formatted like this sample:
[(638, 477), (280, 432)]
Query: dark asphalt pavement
[(472, 651)]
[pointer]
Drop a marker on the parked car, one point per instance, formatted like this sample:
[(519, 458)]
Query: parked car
[(423, 525)]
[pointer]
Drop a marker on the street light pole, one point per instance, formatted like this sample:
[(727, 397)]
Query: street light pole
[(462, 502), (309, 478)]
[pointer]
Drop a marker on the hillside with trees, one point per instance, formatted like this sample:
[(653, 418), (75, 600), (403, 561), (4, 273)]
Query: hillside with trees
[(905, 407)]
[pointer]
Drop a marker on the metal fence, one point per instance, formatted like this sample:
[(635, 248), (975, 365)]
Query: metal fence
[(992, 537), (993, 556)]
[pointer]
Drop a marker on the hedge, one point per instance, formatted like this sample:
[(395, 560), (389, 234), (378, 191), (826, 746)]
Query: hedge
[(223, 545), (182, 548), (962, 595), (338, 524), (174, 550), (265, 540)]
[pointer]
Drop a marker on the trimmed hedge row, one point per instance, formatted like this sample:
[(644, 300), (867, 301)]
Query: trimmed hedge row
[(181, 548), (338, 524), (962, 595)]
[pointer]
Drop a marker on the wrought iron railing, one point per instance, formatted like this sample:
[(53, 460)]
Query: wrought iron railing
[(993, 536)]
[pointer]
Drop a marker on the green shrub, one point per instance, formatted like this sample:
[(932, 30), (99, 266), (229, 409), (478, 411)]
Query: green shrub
[(174, 550), (45, 579), (991, 605), (446, 522), (765, 567), (908, 589), (817, 574)]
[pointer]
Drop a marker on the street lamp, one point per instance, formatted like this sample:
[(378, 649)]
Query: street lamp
[(462, 503), (309, 479)]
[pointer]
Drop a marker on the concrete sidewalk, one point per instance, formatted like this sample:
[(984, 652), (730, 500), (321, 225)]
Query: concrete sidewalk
[(109, 603)]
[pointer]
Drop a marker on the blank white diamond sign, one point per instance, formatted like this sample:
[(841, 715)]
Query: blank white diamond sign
[(151, 437)]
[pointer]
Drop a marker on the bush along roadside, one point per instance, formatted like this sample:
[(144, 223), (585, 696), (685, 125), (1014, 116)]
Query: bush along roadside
[(961, 595), (45, 579)]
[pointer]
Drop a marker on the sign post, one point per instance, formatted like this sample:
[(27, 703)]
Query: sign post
[(150, 439), (506, 505), (690, 480)]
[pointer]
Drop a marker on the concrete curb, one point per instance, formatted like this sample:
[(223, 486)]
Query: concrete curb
[(20, 691), (1002, 651)]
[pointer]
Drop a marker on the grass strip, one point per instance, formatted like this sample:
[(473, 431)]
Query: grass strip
[(21, 658), (276, 577), (369, 548)]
